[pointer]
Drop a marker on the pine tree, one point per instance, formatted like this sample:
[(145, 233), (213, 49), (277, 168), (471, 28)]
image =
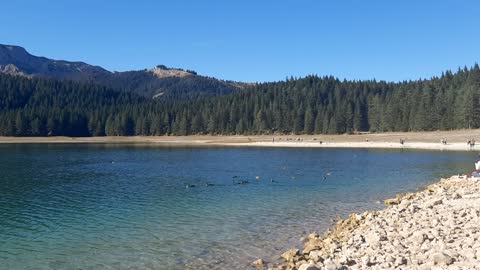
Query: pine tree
[(21, 125), (299, 121), (197, 124), (319, 123), (309, 124), (37, 127)]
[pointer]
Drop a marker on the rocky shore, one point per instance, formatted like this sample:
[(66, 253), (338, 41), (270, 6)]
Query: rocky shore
[(437, 228)]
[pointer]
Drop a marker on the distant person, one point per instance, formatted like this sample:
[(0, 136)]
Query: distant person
[(471, 143), (477, 164)]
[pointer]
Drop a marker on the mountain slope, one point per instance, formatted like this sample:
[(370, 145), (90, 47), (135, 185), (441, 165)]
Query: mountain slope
[(167, 83), (17, 60), (158, 82)]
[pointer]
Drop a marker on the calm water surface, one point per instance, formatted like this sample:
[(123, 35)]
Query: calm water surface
[(127, 207)]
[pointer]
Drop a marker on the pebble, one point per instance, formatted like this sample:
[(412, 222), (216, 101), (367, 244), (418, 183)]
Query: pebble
[(309, 266)]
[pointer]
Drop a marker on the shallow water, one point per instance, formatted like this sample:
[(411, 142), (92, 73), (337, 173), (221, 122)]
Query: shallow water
[(127, 207)]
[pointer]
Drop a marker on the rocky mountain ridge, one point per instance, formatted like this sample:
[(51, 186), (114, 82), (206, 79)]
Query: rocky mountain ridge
[(159, 81)]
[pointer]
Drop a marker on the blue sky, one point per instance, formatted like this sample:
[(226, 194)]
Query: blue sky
[(253, 40)]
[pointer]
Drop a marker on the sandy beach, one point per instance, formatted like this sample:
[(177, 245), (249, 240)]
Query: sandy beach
[(456, 140)]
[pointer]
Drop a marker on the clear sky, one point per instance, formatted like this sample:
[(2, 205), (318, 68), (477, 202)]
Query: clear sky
[(253, 40)]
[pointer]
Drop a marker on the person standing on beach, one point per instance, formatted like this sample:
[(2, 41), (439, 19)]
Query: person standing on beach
[(471, 143), (477, 164)]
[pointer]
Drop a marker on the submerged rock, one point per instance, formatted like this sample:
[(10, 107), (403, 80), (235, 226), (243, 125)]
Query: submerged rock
[(260, 264)]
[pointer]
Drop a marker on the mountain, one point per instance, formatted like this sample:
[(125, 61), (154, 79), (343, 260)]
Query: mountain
[(16, 60), (167, 83), (158, 82)]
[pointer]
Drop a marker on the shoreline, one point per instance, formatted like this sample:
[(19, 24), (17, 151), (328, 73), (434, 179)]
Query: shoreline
[(436, 228), (456, 140), (372, 145)]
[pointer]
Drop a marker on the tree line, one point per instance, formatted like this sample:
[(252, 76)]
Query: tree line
[(310, 105)]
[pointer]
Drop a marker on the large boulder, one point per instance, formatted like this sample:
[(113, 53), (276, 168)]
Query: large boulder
[(315, 255), (313, 244), (290, 254)]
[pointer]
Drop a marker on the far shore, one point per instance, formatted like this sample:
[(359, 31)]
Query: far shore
[(456, 140)]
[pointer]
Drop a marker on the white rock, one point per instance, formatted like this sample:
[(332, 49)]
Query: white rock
[(329, 265), (433, 202), (441, 258), (418, 237), (469, 254), (315, 255), (469, 241), (365, 260), (309, 266), (400, 261), (425, 266)]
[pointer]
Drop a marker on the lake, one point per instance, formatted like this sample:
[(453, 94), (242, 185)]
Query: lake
[(91, 206)]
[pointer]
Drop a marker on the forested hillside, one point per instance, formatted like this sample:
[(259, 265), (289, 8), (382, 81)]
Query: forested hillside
[(159, 82), (149, 85), (41, 107)]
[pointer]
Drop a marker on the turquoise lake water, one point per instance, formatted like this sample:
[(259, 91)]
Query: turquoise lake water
[(127, 207)]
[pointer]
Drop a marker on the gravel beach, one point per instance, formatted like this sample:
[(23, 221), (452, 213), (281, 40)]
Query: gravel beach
[(437, 228)]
